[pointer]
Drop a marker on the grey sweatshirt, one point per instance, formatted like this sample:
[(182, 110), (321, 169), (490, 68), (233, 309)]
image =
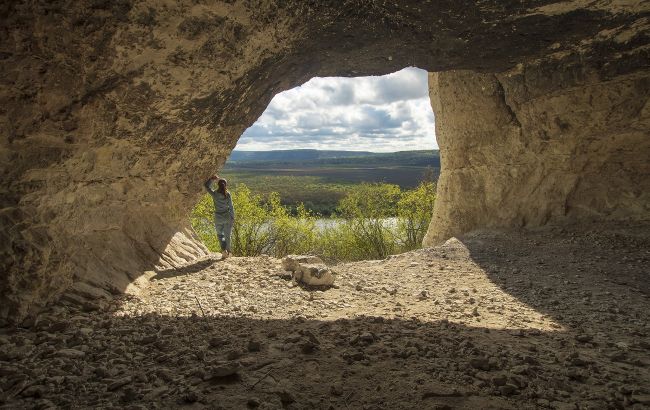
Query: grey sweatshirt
[(223, 208)]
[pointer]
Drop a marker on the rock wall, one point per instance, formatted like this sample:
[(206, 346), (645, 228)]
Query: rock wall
[(113, 112), (552, 141)]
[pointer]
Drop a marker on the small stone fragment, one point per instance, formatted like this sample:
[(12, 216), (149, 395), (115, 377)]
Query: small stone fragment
[(119, 383), (286, 397), (223, 369), (508, 389), (71, 353), (480, 363), (309, 270), (254, 346)]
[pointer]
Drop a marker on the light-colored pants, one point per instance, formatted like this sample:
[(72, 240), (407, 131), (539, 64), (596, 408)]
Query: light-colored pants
[(224, 229)]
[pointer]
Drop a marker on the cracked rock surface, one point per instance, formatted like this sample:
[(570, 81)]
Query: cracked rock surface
[(553, 319), (113, 112)]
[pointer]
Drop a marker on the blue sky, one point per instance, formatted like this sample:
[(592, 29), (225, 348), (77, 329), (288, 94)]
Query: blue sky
[(380, 114)]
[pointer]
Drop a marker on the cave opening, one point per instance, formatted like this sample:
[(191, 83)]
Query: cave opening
[(526, 121), (113, 111), (317, 143)]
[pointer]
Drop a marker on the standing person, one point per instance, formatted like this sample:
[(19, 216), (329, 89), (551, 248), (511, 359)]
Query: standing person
[(224, 212)]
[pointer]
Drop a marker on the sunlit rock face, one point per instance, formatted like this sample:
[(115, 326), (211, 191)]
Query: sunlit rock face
[(113, 112), (551, 141)]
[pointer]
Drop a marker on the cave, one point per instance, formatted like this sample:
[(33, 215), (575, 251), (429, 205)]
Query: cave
[(113, 113)]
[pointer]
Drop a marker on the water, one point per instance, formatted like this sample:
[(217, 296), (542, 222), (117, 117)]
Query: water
[(323, 223)]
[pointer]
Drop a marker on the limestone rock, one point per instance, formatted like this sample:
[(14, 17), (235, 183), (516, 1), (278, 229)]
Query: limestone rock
[(292, 262), (309, 270), (344, 348), (107, 134), (114, 385), (71, 353), (224, 369), (536, 138)]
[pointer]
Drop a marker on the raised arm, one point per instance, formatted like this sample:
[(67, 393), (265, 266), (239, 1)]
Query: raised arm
[(208, 182)]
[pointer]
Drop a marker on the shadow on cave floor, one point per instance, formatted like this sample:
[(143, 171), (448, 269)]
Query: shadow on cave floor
[(188, 269), (594, 281), (546, 319)]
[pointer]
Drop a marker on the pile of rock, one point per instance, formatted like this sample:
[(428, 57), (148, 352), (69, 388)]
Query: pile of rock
[(309, 270)]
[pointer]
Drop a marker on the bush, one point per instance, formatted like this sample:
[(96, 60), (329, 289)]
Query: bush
[(366, 211), (290, 234), (260, 226), (414, 210), (372, 221), (250, 234)]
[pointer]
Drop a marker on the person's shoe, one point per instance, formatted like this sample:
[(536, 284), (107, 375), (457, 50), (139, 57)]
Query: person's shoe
[(225, 254)]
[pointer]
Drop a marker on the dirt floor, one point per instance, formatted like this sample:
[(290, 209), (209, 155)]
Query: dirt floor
[(547, 319)]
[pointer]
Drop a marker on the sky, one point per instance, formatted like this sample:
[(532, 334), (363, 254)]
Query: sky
[(380, 114)]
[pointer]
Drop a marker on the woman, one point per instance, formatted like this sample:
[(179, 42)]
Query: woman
[(224, 212)]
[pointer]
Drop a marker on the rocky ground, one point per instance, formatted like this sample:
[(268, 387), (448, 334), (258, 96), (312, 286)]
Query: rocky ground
[(549, 319)]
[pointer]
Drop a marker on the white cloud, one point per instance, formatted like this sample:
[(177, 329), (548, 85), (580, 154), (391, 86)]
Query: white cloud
[(387, 113)]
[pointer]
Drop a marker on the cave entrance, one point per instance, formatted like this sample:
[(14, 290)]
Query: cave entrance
[(108, 136), (334, 157)]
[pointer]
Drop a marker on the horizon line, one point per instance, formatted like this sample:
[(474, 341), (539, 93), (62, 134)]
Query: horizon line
[(339, 150)]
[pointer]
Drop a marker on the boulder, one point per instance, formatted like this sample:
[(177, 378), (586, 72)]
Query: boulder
[(309, 270), (292, 262)]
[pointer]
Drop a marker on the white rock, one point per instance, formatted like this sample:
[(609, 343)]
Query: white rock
[(309, 270), (292, 262)]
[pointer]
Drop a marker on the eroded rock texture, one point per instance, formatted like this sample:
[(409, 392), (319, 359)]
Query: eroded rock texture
[(550, 141), (112, 113)]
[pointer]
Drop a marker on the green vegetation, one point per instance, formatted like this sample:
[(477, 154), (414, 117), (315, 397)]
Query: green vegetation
[(318, 196), (414, 209), (340, 205), (318, 159), (261, 226), (372, 222), (292, 155), (320, 179)]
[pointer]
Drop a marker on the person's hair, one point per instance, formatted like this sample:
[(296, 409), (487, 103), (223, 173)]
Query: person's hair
[(222, 187)]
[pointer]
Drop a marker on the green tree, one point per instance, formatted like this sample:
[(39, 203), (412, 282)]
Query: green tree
[(260, 226), (250, 235), (366, 211), (202, 220), (290, 234), (338, 242), (414, 210), (373, 221)]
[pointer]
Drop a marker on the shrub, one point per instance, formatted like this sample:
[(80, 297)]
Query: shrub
[(366, 211), (290, 234), (414, 211), (250, 234), (373, 221), (202, 220), (260, 226)]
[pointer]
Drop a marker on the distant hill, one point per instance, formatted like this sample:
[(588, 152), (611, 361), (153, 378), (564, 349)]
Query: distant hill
[(291, 155), (320, 179), (317, 158)]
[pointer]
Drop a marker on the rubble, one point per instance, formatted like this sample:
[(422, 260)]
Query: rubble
[(309, 270), (305, 347)]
